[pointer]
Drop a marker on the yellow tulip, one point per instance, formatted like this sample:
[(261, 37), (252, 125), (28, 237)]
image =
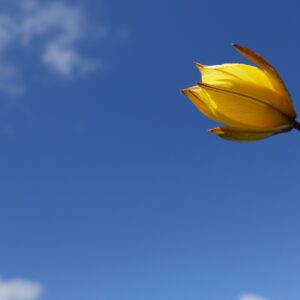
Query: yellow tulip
[(253, 102)]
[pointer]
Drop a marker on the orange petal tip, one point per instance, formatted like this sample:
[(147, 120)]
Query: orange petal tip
[(216, 130), (198, 65), (184, 91), (243, 50)]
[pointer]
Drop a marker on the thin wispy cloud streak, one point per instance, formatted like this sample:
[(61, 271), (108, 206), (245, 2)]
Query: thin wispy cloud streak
[(20, 289), (251, 297), (51, 31)]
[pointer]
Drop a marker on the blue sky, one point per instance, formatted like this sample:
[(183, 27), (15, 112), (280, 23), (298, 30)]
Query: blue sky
[(111, 186)]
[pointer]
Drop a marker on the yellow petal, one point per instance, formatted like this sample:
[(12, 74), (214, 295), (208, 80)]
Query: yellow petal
[(236, 109), (220, 74), (197, 101), (273, 75), (244, 79), (244, 135), (201, 100)]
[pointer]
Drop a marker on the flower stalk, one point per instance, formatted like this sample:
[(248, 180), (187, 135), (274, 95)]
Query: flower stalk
[(297, 125)]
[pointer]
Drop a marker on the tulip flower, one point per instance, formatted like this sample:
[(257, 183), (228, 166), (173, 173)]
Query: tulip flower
[(253, 102)]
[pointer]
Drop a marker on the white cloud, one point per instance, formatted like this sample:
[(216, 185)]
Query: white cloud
[(19, 289), (249, 297), (66, 61), (53, 32)]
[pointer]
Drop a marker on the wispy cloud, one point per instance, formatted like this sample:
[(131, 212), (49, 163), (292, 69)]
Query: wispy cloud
[(53, 32), (251, 297), (20, 289)]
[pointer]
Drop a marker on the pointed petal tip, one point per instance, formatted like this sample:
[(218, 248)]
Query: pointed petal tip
[(216, 130), (237, 46), (198, 65), (184, 91)]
